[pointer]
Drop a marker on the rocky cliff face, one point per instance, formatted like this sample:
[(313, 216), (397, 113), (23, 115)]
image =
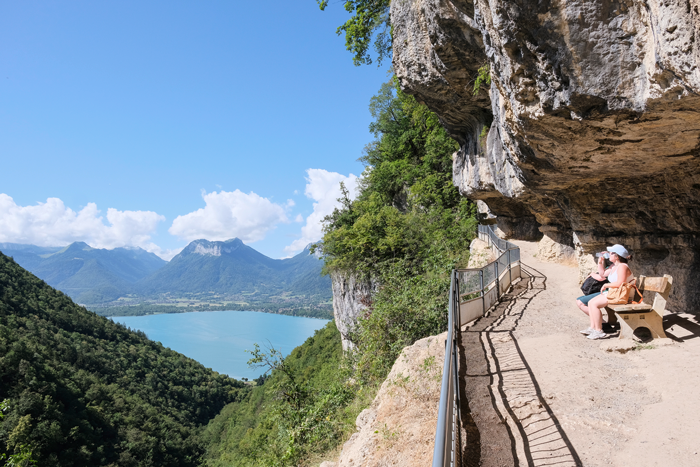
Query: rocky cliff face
[(351, 296), (398, 428), (589, 133)]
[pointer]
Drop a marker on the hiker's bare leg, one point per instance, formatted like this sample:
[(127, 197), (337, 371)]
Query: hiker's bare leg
[(594, 313), (581, 306)]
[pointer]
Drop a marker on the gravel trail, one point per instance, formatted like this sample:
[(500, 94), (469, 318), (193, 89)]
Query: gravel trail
[(540, 393)]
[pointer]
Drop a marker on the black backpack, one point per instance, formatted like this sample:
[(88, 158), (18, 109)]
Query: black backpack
[(592, 285)]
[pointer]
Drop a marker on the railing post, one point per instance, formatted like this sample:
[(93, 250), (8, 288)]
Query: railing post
[(498, 288), (510, 272), (483, 297), (455, 299)]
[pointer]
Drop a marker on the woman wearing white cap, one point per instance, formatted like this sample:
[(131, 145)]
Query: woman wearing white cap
[(617, 275)]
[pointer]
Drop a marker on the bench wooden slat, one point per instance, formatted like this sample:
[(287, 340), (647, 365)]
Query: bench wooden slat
[(630, 307), (654, 284)]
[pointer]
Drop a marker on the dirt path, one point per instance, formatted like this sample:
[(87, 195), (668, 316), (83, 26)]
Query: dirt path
[(542, 394)]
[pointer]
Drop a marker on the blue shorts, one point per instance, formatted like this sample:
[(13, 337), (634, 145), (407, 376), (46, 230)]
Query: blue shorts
[(587, 298)]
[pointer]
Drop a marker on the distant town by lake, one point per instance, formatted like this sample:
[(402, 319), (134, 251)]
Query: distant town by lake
[(219, 339)]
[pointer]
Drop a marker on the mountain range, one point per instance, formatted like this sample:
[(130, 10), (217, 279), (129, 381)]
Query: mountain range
[(233, 267), (203, 269)]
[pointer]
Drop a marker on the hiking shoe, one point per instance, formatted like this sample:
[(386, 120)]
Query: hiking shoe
[(587, 331), (597, 335)]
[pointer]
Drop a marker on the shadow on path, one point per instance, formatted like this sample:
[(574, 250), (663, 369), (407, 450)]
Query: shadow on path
[(507, 421), (682, 326)]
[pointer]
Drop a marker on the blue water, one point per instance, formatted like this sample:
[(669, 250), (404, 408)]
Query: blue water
[(218, 339)]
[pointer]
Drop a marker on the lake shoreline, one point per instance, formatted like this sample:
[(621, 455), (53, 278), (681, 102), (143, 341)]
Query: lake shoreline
[(220, 340), (322, 311)]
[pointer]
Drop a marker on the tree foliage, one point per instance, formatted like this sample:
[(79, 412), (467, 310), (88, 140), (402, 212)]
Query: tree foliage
[(299, 411), (84, 390), (22, 456), (407, 229), (483, 77), (406, 198), (370, 19)]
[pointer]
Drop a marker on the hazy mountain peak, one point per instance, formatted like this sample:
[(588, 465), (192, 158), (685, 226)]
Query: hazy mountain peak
[(216, 248), (212, 249), (317, 254), (74, 248), (80, 246)]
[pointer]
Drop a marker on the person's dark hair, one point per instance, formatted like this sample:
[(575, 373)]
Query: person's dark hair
[(622, 260)]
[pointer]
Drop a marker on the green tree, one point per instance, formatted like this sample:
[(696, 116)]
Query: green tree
[(406, 194), (22, 456), (407, 229), (370, 19)]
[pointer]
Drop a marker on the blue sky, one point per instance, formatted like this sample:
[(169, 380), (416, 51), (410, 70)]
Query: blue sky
[(116, 118)]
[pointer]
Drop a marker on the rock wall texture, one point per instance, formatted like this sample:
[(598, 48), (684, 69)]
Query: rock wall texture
[(590, 129), (480, 254), (351, 296)]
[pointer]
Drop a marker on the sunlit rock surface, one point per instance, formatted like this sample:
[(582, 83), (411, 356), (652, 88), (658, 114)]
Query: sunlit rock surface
[(592, 118), (351, 297)]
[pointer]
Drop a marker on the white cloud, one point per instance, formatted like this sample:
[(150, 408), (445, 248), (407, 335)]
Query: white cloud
[(230, 214), (54, 224), (324, 188)]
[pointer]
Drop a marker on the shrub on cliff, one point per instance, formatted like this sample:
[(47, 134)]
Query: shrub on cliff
[(296, 413), (407, 228)]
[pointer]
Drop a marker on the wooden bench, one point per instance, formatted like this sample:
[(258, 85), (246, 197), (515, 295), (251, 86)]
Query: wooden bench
[(655, 291)]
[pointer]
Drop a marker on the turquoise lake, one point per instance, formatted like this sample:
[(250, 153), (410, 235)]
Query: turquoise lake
[(219, 339)]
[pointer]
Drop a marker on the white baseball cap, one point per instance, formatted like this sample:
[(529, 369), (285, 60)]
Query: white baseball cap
[(619, 250)]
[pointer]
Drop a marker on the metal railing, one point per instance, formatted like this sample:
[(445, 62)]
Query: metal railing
[(472, 293), (480, 289), (448, 432)]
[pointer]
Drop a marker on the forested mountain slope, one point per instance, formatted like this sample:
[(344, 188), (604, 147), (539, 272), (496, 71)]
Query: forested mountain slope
[(204, 272), (233, 267), (300, 409), (83, 390), (88, 275), (28, 256)]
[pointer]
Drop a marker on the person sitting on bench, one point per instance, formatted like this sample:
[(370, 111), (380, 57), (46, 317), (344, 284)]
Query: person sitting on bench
[(617, 275)]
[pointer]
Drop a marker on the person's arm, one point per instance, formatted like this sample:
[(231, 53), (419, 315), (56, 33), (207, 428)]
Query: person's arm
[(622, 273), (602, 272), (601, 264), (597, 276)]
